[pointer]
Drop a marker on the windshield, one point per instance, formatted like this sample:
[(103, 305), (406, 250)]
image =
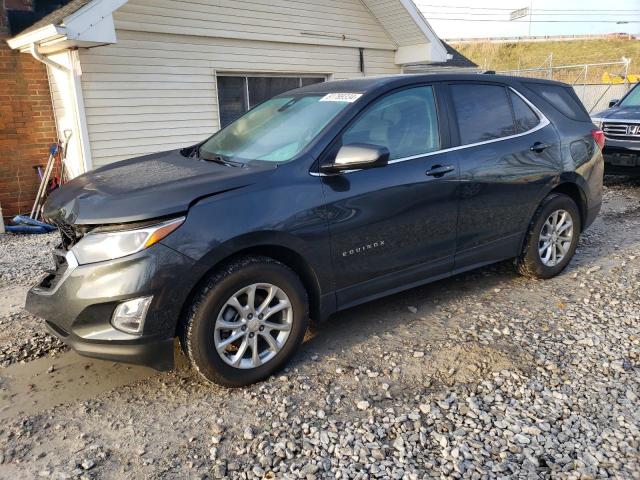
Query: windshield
[(633, 99), (275, 131)]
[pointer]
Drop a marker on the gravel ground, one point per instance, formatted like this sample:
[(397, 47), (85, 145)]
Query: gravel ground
[(486, 375), (23, 260)]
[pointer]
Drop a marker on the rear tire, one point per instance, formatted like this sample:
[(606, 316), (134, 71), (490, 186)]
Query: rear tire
[(223, 337), (552, 238)]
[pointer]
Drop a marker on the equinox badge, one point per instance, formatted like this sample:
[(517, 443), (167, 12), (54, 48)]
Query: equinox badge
[(363, 248)]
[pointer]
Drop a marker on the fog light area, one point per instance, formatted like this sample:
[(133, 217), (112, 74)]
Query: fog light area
[(129, 316)]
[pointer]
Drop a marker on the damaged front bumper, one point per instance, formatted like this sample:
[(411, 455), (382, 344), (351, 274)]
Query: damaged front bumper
[(78, 301)]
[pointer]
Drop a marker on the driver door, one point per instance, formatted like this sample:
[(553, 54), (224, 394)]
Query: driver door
[(394, 227)]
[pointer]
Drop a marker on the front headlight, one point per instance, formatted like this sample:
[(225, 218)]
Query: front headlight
[(597, 122), (101, 246)]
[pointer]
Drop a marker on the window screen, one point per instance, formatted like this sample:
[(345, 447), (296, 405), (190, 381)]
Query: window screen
[(562, 98), (483, 112), (405, 122), (232, 98), (237, 94), (526, 119), (263, 88)]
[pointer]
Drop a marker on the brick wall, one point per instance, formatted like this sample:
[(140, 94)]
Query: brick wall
[(4, 20), (27, 128)]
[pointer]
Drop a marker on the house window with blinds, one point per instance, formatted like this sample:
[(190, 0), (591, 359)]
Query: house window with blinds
[(239, 93)]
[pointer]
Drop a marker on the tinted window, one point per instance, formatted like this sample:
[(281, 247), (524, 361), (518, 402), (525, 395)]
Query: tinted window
[(232, 98), (237, 94), (526, 119), (310, 81), (263, 88), (405, 122), (632, 99), (562, 98), (483, 112)]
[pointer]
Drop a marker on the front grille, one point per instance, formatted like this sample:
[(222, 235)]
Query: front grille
[(621, 131)]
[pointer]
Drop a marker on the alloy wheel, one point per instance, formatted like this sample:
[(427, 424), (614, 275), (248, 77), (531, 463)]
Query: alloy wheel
[(253, 325), (556, 237)]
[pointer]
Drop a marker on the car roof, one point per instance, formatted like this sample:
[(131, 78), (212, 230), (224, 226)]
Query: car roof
[(370, 84)]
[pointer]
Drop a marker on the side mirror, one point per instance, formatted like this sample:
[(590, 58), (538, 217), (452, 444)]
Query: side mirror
[(357, 156), (612, 103)]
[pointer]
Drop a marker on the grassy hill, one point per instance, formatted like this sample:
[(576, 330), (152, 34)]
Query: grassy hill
[(512, 56)]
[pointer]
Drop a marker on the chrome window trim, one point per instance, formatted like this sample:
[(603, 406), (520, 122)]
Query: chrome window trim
[(544, 121)]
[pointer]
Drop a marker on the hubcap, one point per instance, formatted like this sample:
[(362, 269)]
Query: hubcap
[(253, 325), (555, 238)]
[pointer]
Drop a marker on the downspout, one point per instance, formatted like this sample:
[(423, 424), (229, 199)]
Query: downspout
[(33, 49), (76, 94)]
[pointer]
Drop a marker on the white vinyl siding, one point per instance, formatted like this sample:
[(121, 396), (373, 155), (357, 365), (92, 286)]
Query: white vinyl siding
[(395, 18), (155, 91), (326, 22), (66, 111)]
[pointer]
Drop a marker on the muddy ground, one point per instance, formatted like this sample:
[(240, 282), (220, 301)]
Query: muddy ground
[(485, 375)]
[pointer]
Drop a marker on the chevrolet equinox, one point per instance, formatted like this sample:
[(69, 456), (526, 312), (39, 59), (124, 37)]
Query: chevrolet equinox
[(314, 201)]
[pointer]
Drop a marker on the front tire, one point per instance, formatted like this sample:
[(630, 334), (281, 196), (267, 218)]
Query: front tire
[(246, 321), (552, 238)]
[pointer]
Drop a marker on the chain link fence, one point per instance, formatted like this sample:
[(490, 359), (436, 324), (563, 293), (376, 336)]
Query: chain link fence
[(596, 84)]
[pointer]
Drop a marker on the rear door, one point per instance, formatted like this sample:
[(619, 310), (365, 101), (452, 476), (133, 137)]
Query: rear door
[(508, 151), (394, 226)]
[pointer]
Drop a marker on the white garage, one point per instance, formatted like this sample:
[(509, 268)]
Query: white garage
[(142, 76)]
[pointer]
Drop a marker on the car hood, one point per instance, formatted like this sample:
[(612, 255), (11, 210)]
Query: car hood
[(618, 113), (145, 187)]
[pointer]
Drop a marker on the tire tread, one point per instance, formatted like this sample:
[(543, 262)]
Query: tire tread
[(186, 335)]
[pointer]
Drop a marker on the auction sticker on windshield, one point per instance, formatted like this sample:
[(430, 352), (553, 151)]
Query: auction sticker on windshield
[(341, 97)]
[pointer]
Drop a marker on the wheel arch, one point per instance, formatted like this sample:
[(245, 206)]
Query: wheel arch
[(285, 254), (577, 194), (565, 187)]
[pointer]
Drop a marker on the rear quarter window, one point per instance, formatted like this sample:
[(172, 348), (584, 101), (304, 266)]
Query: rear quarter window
[(562, 98), (526, 119)]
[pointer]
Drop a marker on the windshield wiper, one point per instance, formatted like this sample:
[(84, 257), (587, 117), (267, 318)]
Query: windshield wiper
[(221, 159)]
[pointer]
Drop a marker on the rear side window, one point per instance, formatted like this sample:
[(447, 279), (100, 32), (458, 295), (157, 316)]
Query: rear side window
[(483, 112), (562, 98), (526, 119), (406, 122)]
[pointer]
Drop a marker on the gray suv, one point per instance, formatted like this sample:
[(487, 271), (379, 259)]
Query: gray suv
[(621, 126)]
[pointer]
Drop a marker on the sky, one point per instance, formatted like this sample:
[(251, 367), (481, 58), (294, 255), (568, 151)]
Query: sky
[(467, 19)]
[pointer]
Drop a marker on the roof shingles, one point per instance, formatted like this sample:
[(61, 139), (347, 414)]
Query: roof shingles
[(57, 16)]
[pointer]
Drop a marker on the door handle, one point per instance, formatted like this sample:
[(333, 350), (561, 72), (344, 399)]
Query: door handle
[(539, 147), (438, 171)]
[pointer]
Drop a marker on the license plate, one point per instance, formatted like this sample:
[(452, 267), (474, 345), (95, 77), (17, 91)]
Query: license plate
[(624, 161)]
